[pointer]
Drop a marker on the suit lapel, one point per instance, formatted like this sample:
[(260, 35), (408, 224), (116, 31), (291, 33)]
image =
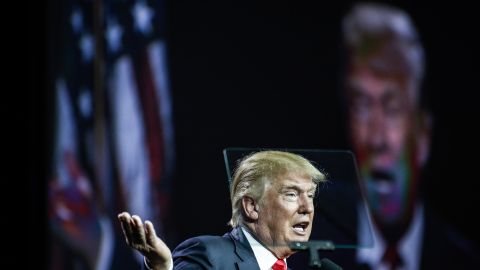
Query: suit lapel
[(246, 257)]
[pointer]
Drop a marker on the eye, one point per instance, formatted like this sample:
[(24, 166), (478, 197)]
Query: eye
[(361, 109), (291, 194), (394, 104)]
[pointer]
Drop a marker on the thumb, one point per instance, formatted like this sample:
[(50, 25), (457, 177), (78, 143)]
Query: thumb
[(160, 254)]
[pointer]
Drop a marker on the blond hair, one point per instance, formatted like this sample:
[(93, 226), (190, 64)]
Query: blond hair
[(385, 39), (253, 170)]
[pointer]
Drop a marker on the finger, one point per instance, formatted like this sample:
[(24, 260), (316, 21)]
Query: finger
[(150, 231), (138, 231), (124, 216), (161, 251), (125, 222)]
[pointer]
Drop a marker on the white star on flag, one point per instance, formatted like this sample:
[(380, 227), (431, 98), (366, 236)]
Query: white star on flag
[(86, 47), (142, 16), (76, 20), (114, 35)]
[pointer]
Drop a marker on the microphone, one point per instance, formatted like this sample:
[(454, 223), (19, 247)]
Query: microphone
[(313, 247)]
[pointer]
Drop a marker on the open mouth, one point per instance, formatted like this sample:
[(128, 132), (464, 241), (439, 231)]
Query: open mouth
[(301, 228), (383, 181), (382, 175)]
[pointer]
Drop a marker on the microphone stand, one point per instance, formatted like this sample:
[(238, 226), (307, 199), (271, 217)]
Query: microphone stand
[(313, 247)]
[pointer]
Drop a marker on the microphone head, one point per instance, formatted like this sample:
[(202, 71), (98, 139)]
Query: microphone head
[(298, 245)]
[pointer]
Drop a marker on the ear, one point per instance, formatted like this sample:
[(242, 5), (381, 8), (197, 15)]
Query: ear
[(250, 208), (424, 138)]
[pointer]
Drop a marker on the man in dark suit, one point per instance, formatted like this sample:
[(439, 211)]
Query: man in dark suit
[(272, 204)]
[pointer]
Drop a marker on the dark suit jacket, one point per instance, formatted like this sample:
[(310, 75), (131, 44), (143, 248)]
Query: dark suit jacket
[(231, 251)]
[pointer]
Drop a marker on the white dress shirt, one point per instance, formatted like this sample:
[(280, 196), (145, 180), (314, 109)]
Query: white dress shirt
[(265, 257), (409, 246)]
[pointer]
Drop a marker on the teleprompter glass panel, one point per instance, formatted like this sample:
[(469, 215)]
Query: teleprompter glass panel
[(338, 202)]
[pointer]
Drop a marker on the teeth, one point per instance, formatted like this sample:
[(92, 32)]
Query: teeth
[(384, 187), (299, 229)]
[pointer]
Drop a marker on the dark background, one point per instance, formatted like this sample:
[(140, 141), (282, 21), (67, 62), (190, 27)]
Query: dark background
[(268, 76), (249, 74)]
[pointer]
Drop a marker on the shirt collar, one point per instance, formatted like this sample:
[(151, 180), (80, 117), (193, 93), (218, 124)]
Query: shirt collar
[(265, 257), (409, 246)]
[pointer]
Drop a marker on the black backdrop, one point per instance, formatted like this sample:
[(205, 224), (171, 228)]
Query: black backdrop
[(248, 74), (266, 75)]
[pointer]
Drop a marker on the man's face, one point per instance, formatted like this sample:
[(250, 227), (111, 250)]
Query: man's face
[(382, 132), (286, 212)]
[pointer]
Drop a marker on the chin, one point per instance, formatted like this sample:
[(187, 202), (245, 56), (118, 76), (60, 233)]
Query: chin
[(298, 238)]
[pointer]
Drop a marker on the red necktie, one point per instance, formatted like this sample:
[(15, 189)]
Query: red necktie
[(279, 265), (392, 257)]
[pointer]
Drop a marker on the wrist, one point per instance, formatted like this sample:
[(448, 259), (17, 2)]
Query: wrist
[(164, 265)]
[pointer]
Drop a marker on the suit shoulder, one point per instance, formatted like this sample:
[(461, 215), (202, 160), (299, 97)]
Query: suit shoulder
[(202, 252), (205, 242)]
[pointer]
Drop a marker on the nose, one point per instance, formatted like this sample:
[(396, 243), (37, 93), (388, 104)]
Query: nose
[(377, 139), (305, 204)]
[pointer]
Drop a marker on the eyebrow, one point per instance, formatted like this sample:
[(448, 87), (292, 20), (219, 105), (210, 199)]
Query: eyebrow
[(355, 92), (297, 187), (391, 93)]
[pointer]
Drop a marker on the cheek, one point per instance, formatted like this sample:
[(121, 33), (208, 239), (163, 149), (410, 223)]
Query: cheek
[(358, 138), (276, 211), (285, 212)]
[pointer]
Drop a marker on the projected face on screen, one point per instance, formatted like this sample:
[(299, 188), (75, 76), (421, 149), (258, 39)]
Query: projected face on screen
[(383, 135)]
